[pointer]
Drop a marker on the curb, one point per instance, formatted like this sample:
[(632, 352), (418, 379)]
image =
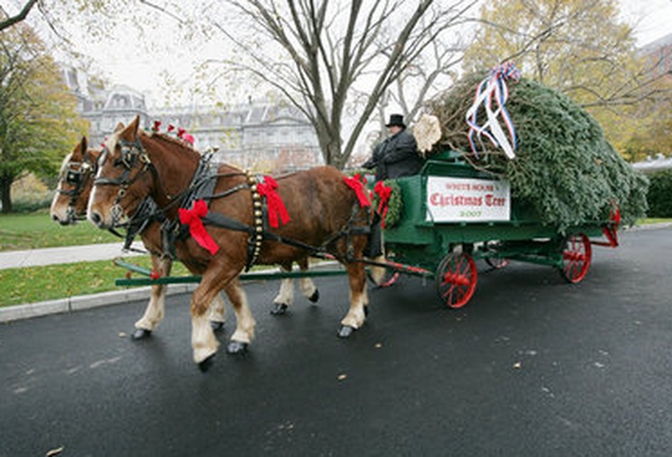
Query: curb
[(82, 302)]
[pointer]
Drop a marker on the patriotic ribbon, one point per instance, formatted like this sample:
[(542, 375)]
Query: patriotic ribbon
[(357, 185), (275, 204), (192, 217), (384, 192), (494, 91)]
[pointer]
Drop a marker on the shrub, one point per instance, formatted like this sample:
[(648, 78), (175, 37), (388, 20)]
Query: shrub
[(660, 194)]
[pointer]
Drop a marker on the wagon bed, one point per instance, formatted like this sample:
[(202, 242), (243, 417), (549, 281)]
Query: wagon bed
[(448, 244)]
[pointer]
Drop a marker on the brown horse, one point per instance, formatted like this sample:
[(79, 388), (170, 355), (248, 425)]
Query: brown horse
[(74, 184), (69, 206), (323, 209)]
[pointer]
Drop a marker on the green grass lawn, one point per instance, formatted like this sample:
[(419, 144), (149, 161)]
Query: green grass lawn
[(37, 230), (35, 284)]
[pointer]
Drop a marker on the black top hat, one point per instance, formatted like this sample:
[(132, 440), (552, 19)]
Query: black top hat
[(396, 119)]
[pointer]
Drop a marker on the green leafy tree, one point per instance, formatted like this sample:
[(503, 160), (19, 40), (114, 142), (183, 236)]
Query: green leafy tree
[(38, 123), (577, 47)]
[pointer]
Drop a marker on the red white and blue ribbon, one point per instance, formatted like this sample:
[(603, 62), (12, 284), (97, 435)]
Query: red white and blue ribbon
[(492, 94)]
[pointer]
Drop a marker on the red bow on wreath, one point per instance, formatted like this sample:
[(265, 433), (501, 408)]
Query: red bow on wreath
[(357, 185), (275, 204), (192, 217), (384, 192)]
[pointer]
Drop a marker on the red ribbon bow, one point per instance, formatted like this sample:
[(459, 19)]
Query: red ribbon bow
[(275, 204), (155, 127), (384, 192), (180, 132), (357, 185), (192, 218)]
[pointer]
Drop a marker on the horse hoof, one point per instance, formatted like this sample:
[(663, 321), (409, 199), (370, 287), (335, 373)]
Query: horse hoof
[(279, 309), (345, 331), (315, 297), (236, 347), (205, 364), (141, 334), (216, 325)]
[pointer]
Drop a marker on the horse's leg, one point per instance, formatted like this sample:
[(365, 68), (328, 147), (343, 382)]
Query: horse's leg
[(358, 300), (285, 296), (245, 322), (157, 301), (217, 315), (203, 341), (306, 284)]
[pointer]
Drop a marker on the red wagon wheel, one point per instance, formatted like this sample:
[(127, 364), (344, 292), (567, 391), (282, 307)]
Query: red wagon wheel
[(456, 279), (576, 257)]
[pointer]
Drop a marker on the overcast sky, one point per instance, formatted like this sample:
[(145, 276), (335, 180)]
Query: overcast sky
[(123, 63)]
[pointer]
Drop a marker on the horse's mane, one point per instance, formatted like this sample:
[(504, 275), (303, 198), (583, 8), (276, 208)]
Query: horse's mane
[(170, 139)]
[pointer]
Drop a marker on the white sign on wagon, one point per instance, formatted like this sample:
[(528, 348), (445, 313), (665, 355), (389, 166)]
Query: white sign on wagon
[(467, 200)]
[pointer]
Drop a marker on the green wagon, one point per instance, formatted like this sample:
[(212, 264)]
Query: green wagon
[(453, 215)]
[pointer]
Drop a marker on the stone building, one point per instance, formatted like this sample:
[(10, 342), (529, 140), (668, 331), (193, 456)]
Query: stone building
[(258, 135)]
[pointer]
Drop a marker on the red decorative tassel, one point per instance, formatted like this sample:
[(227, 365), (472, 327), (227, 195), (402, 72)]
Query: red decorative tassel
[(192, 218), (275, 204), (357, 185)]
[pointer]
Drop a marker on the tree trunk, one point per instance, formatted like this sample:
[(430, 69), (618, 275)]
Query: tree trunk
[(6, 191)]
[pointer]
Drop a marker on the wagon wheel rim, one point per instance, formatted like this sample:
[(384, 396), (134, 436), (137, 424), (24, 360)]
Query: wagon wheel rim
[(457, 277), (576, 258)]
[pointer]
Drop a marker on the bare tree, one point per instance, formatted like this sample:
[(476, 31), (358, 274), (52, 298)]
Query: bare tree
[(7, 21), (320, 54)]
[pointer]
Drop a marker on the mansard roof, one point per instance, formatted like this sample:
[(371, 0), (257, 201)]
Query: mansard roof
[(124, 98)]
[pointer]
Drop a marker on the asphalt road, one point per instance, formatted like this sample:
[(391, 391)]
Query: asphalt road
[(532, 366)]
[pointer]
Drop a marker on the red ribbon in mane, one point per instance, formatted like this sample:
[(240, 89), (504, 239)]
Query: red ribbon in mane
[(357, 185), (192, 217), (383, 193), (275, 204)]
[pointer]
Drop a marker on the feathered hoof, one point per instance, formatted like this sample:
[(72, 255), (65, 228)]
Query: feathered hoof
[(141, 334), (216, 325), (279, 309), (236, 347), (315, 297), (205, 364), (345, 331)]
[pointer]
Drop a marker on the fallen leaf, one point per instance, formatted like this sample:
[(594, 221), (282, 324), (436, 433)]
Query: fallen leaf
[(378, 345), (55, 452), (341, 377), (517, 365), (122, 335)]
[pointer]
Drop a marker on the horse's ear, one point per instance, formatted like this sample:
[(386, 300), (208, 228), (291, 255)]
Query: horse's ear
[(83, 144), (120, 126), (135, 125)]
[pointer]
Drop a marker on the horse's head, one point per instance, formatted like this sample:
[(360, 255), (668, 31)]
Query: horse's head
[(122, 180), (74, 184)]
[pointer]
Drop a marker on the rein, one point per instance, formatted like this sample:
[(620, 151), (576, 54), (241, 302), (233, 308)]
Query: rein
[(202, 187)]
